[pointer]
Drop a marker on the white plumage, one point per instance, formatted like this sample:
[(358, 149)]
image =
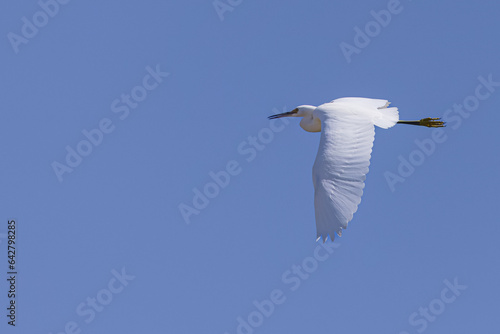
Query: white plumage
[(339, 172), (347, 127), (343, 158)]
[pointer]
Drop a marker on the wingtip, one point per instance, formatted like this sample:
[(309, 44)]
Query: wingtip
[(324, 237)]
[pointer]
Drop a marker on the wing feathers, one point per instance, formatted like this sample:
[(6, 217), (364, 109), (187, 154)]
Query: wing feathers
[(343, 158)]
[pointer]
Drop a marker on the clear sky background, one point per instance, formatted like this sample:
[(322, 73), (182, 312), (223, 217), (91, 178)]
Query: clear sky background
[(116, 214)]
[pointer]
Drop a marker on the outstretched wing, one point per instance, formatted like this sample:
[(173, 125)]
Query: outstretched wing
[(343, 158)]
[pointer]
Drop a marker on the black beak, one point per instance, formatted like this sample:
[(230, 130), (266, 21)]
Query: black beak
[(285, 114)]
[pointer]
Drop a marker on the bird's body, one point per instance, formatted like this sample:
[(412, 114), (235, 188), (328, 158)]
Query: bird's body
[(347, 128)]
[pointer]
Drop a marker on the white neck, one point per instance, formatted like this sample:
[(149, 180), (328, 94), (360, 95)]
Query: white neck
[(309, 122)]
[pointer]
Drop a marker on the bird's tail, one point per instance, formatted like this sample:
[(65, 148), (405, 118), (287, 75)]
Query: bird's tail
[(386, 117)]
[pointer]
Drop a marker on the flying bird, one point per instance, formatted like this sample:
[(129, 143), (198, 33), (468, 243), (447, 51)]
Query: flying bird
[(347, 127)]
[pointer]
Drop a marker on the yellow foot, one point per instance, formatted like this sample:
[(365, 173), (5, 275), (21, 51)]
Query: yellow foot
[(432, 122)]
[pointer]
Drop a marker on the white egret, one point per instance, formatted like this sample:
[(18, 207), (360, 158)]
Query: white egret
[(347, 127)]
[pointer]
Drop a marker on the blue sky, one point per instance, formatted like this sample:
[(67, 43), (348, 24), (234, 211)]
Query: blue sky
[(154, 99)]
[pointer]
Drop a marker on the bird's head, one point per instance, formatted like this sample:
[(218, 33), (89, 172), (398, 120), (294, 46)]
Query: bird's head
[(309, 122)]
